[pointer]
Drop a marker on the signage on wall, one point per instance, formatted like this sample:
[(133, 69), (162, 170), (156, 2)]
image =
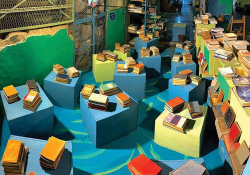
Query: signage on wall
[(112, 16)]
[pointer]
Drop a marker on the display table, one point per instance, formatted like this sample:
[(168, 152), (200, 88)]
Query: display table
[(152, 65), (179, 29), (226, 84), (36, 146), (225, 157), (188, 93), (188, 143), (23, 122), (176, 67), (139, 43), (121, 56), (106, 126), (192, 51), (103, 71), (134, 85), (63, 95)]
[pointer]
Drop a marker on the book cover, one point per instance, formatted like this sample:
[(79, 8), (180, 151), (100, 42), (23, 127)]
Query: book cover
[(180, 76), (241, 81), (12, 152), (32, 84), (229, 117), (106, 87), (243, 93), (235, 132), (10, 90), (98, 98), (224, 107), (62, 76), (123, 97), (243, 153), (175, 102)]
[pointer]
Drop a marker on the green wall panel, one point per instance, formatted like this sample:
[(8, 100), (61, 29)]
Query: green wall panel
[(229, 9), (230, 2), (116, 29), (34, 58)]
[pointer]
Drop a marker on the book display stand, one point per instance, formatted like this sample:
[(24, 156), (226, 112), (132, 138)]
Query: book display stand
[(63, 95), (174, 140), (179, 29), (226, 84), (134, 85), (176, 67), (106, 126), (23, 122), (121, 56), (139, 43)]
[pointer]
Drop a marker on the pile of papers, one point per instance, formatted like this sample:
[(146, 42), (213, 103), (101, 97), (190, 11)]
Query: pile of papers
[(15, 157), (123, 100), (101, 57), (187, 58), (196, 79), (62, 78), (155, 50), (130, 62), (205, 34), (174, 105), (11, 94), (218, 32), (125, 49), (52, 153), (112, 56), (108, 89), (230, 36), (98, 102), (122, 68), (138, 69), (72, 72), (175, 122), (31, 101), (176, 58), (227, 72), (224, 55), (145, 52), (87, 91), (117, 46), (58, 69), (194, 109), (31, 85), (180, 80)]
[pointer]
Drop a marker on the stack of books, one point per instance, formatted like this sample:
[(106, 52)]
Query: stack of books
[(212, 21), (218, 32), (241, 81), (187, 72), (205, 34), (138, 9), (31, 101), (11, 94), (242, 54), (52, 153), (72, 72), (58, 69), (138, 69), (130, 62), (224, 55), (212, 44), (98, 102), (141, 34), (14, 158), (230, 36), (87, 91), (145, 52), (62, 78), (131, 6), (240, 44), (175, 122), (174, 105), (198, 20), (112, 56), (179, 45), (187, 58), (204, 19), (132, 29), (145, 38), (176, 58), (123, 100), (122, 68), (125, 49), (117, 46), (196, 79), (180, 80), (227, 72), (101, 57), (190, 167), (155, 50), (108, 89), (31, 85), (194, 109), (246, 64), (187, 47)]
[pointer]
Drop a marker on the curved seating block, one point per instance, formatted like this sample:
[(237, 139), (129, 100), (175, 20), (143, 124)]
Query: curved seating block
[(175, 140), (121, 56), (179, 29), (225, 157), (134, 85), (139, 43), (63, 95), (176, 67), (35, 148), (188, 93), (106, 126), (23, 122), (103, 71)]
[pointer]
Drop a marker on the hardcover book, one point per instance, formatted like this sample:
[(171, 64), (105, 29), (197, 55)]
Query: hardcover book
[(229, 117), (243, 153), (235, 132)]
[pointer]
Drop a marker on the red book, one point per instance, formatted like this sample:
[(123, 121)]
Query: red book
[(175, 102), (230, 145), (143, 166), (235, 132)]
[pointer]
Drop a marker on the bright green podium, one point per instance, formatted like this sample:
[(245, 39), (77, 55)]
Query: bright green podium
[(226, 84), (242, 117), (209, 55), (103, 71), (188, 143), (121, 56)]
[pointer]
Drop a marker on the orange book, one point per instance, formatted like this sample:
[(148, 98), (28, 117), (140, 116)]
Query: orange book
[(186, 72), (122, 97), (224, 107), (175, 102), (12, 152), (139, 66), (10, 90)]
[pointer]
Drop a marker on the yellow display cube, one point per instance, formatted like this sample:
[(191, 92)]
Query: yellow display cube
[(121, 56)]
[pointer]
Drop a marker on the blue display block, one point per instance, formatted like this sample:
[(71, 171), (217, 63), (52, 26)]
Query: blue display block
[(23, 122), (106, 126), (139, 43), (176, 67), (247, 168), (192, 51), (179, 29), (134, 85), (35, 148), (225, 157), (188, 93), (5, 135), (63, 95), (152, 65)]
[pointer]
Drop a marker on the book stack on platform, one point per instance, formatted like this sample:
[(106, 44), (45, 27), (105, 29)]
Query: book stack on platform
[(125, 49), (72, 72), (227, 72), (212, 44), (58, 69), (101, 57), (117, 46), (174, 105), (205, 34), (223, 54), (98, 102), (242, 54), (196, 79), (180, 80), (108, 89), (230, 36), (130, 62), (87, 91), (187, 58), (31, 85), (218, 32), (123, 100), (112, 56), (240, 45), (62, 78), (145, 52), (176, 57), (145, 38), (204, 19), (187, 72), (11, 94), (138, 69), (155, 50), (175, 122), (31, 101), (194, 109), (122, 68)]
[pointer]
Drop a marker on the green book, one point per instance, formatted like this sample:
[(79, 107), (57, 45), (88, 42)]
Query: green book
[(107, 87)]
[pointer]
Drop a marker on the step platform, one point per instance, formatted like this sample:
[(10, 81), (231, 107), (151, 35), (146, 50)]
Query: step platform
[(134, 85), (65, 166), (121, 56), (176, 67), (106, 126), (103, 71), (179, 29), (174, 140), (63, 95), (139, 43), (23, 122)]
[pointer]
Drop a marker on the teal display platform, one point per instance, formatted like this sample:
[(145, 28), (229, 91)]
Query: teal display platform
[(23, 122), (225, 157), (139, 43), (106, 126), (247, 169), (60, 94), (176, 67), (134, 85), (192, 51), (188, 93), (36, 146), (179, 29), (152, 65)]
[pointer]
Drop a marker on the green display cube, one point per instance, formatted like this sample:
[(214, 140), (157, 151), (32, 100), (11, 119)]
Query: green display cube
[(121, 56), (188, 143), (209, 55), (103, 71), (226, 84)]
